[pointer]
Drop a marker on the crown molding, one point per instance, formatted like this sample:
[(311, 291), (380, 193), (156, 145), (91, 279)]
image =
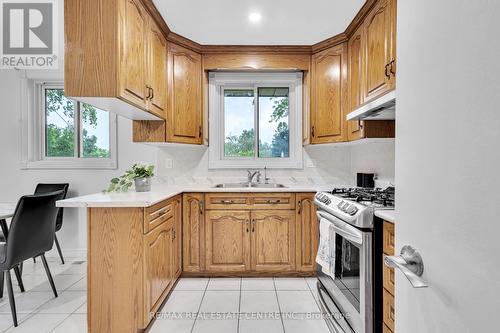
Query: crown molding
[(261, 49)]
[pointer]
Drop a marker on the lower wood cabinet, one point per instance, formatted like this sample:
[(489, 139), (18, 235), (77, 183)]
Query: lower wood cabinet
[(193, 231), (272, 241), (158, 263), (227, 241), (249, 233), (307, 232), (388, 279), (134, 260)]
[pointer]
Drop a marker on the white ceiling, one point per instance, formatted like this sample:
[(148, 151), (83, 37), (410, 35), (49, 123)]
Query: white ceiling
[(284, 22)]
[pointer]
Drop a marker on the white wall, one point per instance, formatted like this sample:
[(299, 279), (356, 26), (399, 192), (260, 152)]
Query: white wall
[(15, 182), (448, 163)]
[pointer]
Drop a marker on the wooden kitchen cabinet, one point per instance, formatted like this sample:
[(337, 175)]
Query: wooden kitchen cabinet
[(388, 279), (157, 83), (227, 241), (379, 66), (177, 250), (122, 70), (158, 263), (272, 240), (193, 232), (185, 102), (328, 95), (307, 232), (131, 261)]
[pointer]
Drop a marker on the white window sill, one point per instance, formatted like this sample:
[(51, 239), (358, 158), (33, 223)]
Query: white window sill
[(93, 164)]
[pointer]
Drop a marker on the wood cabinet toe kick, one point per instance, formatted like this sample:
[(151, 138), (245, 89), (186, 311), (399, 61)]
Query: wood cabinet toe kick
[(135, 255)]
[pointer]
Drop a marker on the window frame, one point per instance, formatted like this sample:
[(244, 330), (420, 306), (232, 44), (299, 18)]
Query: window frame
[(220, 81), (34, 133)]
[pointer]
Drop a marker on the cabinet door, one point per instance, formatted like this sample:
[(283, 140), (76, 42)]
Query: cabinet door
[(227, 241), (356, 93), (193, 232), (134, 54), (184, 121), (157, 71), (328, 93), (273, 240), (307, 228), (177, 250), (158, 247), (378, 51)]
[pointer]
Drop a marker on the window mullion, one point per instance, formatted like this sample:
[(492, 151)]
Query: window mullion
[(78, 134), (256, 122)]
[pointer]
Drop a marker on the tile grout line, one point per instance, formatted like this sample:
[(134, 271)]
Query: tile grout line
[(279, 306), (199, 307)]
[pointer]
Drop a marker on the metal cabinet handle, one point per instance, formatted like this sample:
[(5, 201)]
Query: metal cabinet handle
[(226, 202), (248, 225), (273, 202), (410, 264), (392, 67), (312, 131), (387, 75), (152, 93), (299, 208), (253, 225), (149, 92), (202, 205)]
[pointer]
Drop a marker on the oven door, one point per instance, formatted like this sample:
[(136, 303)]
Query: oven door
[(350, 285)]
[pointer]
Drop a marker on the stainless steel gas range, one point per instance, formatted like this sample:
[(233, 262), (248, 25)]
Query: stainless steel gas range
[(349, 284)]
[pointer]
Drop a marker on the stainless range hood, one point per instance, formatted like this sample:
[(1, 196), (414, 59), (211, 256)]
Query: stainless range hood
[(383, 108)]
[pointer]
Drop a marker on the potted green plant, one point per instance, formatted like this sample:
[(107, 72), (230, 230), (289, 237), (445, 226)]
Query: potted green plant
[(140, 174)]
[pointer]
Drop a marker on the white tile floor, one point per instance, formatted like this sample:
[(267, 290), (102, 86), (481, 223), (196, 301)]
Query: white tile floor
[(197, 305)]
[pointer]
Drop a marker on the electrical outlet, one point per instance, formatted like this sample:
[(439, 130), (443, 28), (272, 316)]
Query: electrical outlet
[(169, 163)]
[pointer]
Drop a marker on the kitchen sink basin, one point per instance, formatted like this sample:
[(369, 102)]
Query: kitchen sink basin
[(252, 185)]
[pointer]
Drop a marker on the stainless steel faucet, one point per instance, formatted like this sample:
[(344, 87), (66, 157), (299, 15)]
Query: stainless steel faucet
[(252, 175)]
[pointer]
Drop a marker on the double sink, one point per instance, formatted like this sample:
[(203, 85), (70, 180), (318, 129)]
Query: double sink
[(249, 185)]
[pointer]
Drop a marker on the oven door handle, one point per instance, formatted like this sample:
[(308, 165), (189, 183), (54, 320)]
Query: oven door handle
[(343, 229)]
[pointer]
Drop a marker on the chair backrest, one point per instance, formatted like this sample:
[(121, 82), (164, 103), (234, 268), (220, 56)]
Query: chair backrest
[(47, 188), (32, 227)]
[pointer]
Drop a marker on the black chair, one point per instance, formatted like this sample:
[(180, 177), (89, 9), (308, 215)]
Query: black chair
[(45, 188), (31, 234)]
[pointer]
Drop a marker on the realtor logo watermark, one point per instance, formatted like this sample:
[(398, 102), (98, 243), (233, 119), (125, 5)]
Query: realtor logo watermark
[(28, 34)]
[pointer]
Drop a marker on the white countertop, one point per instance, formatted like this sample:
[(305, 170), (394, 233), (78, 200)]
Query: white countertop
[(386, 214), (158, 194)]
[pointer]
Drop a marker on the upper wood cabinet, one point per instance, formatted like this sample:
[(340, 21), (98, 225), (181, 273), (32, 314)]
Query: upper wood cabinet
[(273, 240), (184, 120), (356, 80), (328, 95), (115, 58), (157, 83), (379, 67)]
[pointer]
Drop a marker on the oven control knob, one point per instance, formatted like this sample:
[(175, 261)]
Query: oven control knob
[(352, 210)]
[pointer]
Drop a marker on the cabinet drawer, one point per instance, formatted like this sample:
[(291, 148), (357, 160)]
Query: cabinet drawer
[(250, 201), (157, 214), (389, 279), (273, 201), (388, 238), (227, 201), (389, 315)]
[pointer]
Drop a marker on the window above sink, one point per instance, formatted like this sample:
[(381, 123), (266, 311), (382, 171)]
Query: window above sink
[(255, 120)]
